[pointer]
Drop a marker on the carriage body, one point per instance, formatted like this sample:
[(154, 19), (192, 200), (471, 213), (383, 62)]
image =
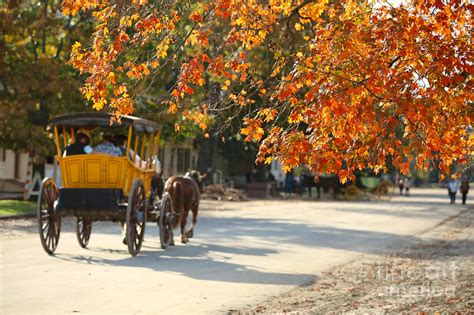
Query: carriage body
[(101, 186), (102, 171), (98, 186)]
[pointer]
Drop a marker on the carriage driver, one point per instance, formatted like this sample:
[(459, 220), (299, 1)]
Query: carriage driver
[(80, 146)]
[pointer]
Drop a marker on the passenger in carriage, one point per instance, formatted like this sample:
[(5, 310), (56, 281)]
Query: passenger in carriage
[(108, 147), (80, 146), (121, 141)]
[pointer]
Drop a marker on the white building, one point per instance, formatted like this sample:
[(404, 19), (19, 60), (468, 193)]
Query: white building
[(15, 172), (177, 159)]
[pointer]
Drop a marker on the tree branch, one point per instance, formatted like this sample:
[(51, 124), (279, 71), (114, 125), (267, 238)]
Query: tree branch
[(391, 63)]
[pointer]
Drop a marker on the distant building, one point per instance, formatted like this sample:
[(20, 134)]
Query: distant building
[(177, 159), (15, 173)]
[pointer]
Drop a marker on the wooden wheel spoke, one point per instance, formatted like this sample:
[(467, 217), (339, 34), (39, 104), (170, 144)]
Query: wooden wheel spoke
[(51, 230), (165, 222), (140, 191), (142, 218), (49, 223), (137, 238), (83, 231), (132, 232), (50, 206), (136, 198), (136, 216), (44, 204), (49, 241), (46, 225), (55, 230), (49, 196)]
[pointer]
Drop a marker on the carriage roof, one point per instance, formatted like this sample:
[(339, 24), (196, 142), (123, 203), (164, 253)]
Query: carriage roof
[(98, 119)]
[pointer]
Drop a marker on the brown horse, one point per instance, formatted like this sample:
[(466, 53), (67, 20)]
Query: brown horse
[(185, 193)]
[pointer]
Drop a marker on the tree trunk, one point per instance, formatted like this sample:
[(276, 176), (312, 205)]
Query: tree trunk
[(207, 159)]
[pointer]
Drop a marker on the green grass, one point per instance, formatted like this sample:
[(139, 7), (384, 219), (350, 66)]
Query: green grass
[(16, 207)]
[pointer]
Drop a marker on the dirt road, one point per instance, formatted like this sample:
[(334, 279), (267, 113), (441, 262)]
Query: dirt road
[(242, 253), (433, 276)]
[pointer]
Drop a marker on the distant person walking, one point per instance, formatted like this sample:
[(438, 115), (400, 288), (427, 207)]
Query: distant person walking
[(453, 186), (400, 185), (289, 181), (464, 188), (407, 184)]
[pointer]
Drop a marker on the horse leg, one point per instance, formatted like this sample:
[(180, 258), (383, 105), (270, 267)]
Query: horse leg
[(194, 210), (184, 238), (123, 232), (172, 238)]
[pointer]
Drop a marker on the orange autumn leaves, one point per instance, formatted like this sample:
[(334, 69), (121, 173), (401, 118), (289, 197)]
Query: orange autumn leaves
[(350, 84)]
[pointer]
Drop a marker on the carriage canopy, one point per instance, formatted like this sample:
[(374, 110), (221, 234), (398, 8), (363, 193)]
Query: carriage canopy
[(102, 171), (87, 120)]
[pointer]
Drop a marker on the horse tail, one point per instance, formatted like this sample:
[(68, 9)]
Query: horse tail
[(178, 201)]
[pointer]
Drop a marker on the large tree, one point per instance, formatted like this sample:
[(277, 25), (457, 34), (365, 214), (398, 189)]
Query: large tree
[(335, 85), (36, 81)]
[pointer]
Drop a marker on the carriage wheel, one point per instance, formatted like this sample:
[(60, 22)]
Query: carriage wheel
[(352, 192), (49, 223), (136, 217), (166, 221), (83, 231)]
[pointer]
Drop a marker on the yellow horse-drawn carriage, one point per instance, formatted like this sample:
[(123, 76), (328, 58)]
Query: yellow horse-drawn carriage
[(104, 187)]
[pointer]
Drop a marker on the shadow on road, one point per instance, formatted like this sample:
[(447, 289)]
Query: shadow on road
[(221, 239), (198, 261), (290, 233)]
